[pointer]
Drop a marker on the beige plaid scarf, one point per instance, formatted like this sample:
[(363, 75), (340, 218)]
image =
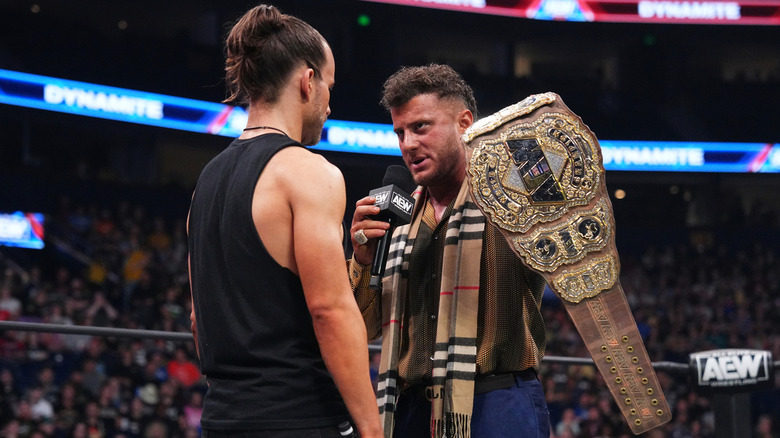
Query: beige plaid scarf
[(454, 364)]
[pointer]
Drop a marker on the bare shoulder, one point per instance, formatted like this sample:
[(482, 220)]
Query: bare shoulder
[(302, 168), (296, 193)]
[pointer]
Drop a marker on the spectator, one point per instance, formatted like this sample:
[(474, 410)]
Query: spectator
[(156, 429), (170, 407), (149, 395), (12, 348), (569, 424), (11, 429), (159, 239), (10, 306), (182, 369), (765, 427), (101, 312), (108, 403), (67, 411), (93, 376), (131, 423), (155, 370), (24, 418), (95, 426), (136, 261), (193, 410), (80, 394), (81, 430), (125, 369), (40, 408), (36, 352), (35, 306), (46, 380), (9, 395)]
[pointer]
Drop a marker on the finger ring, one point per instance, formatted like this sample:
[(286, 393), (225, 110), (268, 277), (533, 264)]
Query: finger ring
[(360, 237)]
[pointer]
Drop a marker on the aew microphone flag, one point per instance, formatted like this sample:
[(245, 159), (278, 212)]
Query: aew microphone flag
[(732, 370), (395, 206), (393, 202)]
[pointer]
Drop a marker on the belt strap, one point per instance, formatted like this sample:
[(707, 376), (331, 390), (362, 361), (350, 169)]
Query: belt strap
[(493, 382), (483, 384)]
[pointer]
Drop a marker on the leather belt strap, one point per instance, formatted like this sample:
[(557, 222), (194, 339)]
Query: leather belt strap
[(482, 385), (536, 172), (493, 382)]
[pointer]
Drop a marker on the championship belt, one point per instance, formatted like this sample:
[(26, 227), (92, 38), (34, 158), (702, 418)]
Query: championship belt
[(536, 173)]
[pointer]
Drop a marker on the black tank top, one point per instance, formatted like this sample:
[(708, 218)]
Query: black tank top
[(255, 335)]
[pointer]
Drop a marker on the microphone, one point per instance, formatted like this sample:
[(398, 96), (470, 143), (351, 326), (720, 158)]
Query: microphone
[(395, 206)]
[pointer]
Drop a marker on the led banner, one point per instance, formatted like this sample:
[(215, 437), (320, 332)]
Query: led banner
[(61, 95), (91, 100), (668, 156), (24, 230), (745, 12), (358, 137), (661, 156)]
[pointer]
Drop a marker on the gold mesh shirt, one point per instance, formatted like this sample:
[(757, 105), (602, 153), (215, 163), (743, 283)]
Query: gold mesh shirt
[(510, 334), (421, 306)]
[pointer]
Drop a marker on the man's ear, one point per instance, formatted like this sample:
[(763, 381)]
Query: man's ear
[(306, 83), (465, 119)]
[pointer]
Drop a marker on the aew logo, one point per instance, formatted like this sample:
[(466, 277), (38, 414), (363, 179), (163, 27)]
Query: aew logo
[(733, 369), (403, 203), (381, 198)]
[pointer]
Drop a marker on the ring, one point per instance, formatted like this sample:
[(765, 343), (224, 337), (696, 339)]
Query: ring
[(360, 237)]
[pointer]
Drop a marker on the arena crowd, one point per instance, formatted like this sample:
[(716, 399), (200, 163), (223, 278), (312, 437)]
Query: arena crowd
[(121, 266)]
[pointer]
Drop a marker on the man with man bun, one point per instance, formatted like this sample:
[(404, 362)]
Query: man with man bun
[(279, 336)]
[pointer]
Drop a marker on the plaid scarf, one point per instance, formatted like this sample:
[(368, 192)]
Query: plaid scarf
[(454, 362)]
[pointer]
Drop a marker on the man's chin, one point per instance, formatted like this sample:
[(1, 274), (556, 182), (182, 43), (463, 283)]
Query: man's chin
[(421, 180), (311, 140)]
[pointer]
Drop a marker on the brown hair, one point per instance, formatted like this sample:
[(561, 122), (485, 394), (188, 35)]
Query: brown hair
[(439, 79), (263, 48)]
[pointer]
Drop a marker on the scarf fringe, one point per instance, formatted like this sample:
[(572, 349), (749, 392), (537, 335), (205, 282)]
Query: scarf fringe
[(452, 426)]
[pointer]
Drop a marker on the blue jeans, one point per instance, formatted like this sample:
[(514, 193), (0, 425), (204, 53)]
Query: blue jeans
[(519, 411)]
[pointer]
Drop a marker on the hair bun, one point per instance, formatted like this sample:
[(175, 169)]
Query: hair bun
[(268, 20)]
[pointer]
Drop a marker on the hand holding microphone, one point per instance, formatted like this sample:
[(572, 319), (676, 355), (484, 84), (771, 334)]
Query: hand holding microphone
[(392, 206)]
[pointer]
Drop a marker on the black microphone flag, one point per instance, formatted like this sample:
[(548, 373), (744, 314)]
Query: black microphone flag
[(396, 207)]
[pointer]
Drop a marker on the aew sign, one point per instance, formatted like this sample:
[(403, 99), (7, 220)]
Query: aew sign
[(732, 370), (393, 203)]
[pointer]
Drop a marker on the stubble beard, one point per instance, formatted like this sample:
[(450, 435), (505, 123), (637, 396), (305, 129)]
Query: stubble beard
[(312, 134), (447, 168), (314, 124)]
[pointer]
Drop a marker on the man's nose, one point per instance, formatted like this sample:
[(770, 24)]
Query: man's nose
[(408, 142)]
